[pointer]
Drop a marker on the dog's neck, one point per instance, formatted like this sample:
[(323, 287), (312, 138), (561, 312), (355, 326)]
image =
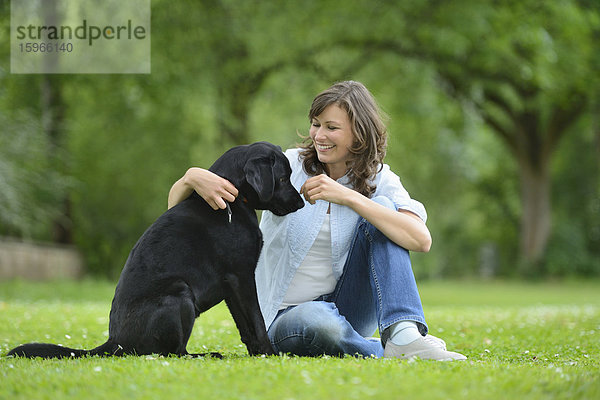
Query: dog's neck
[(231, 167), (228, 207)]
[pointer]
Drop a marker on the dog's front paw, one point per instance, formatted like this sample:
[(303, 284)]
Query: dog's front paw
[(262, 350)]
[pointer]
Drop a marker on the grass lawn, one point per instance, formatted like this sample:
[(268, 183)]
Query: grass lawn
[(538, 340)]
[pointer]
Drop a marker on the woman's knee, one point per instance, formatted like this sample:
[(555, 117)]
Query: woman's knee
[(311, 328), (329, 322), (319, 319)]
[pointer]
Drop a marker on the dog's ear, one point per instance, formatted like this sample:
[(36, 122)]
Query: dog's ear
[(259, 174)]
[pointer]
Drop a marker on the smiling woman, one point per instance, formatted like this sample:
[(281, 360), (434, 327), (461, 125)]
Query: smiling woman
[(332, 273), (348, 109), (332, 137)]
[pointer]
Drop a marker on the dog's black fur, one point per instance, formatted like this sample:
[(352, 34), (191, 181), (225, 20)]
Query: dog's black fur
[(191, 259)]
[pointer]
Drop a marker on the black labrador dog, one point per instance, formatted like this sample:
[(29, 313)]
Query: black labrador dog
[(190, 259)]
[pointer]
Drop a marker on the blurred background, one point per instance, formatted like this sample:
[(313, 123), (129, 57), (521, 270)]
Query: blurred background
[(494, 123)]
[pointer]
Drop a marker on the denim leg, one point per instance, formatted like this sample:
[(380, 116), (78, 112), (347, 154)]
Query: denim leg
[(376, 290), (316, 328), (378, 287)]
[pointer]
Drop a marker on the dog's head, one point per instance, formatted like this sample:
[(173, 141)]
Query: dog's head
[(267, 174)]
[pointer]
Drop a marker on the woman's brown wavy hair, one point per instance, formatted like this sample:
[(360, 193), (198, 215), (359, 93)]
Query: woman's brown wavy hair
[(370, 134)]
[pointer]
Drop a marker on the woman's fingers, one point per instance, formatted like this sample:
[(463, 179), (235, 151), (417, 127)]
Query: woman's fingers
[(222, 192), (230, 192), (309, 190), (321, 187), (215, 190)]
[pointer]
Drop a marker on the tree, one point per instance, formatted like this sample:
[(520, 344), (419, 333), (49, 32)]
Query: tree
[(240, 53), (528, 68)]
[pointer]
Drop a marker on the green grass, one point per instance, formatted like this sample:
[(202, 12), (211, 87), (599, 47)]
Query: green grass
[(523, 341)]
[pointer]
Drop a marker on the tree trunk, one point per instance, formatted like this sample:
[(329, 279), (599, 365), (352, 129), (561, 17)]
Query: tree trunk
[(53, 115), (536, 217)]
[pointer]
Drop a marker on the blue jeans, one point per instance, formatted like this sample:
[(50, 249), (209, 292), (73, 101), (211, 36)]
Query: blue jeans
[(376, 290)]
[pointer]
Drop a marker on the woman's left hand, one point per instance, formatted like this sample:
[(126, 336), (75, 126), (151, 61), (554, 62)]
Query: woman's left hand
[(322, 187), (402, 227)]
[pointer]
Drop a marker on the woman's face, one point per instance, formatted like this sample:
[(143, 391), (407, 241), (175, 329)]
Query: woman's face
[(331, 132)]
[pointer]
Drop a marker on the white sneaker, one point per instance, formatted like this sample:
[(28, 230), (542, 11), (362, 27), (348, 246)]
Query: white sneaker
[(436, 341), (433, 340), (421, 348)]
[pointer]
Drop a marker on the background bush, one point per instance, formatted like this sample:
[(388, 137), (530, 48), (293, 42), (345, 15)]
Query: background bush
[(450, 75)]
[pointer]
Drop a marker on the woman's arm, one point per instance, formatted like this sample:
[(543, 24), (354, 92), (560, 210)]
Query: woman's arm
[(211, 187), (402, 227)]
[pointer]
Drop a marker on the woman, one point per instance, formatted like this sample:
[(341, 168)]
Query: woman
[(335, 271)]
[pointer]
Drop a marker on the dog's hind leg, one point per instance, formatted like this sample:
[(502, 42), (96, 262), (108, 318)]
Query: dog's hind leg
[(170, 326), (243, 305), (187, 320)]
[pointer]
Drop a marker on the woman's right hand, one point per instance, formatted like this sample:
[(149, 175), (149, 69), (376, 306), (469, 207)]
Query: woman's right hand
[(210, 186)]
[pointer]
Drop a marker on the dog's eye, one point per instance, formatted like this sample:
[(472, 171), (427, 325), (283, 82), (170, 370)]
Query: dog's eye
[(282, 179)]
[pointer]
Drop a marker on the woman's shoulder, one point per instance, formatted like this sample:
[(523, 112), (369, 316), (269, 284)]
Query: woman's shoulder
[(385, 175), (293, 154), (388, 183), (390, 186), (294, 157)]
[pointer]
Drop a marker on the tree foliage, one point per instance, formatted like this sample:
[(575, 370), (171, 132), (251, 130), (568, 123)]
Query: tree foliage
[(493, 113)]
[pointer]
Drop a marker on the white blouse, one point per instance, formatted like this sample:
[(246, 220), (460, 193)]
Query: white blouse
[(314, 277)]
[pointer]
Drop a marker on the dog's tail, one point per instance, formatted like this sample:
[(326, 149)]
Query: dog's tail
[(46, 350)]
